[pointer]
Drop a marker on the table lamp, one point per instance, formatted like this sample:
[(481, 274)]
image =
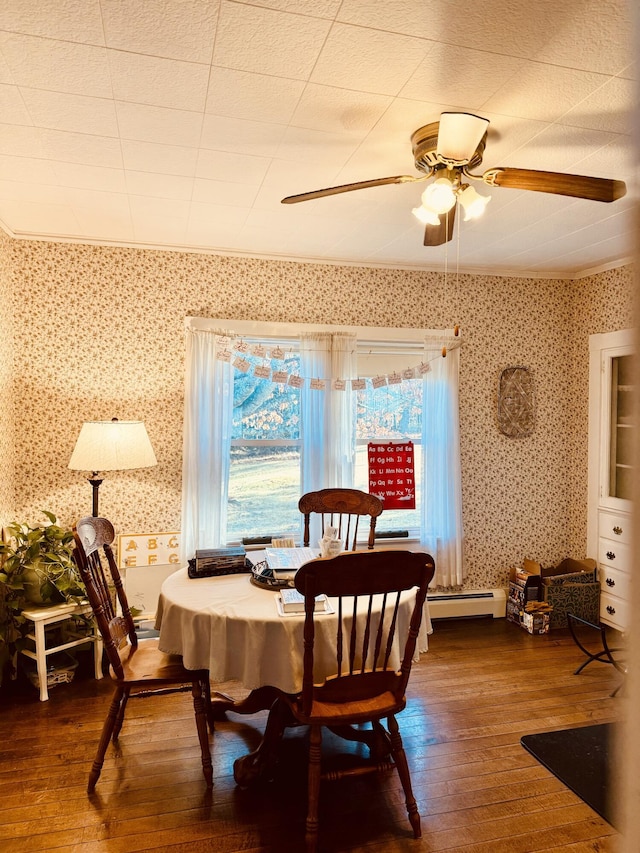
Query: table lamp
[(111, 446)]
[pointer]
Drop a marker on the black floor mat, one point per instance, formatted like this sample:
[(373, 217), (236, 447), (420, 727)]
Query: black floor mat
[(580, 758)]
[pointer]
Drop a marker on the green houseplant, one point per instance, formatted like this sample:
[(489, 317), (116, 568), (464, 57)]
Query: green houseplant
[(36, 568)]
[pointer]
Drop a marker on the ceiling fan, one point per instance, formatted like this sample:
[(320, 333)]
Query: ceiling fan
[(447, 150)]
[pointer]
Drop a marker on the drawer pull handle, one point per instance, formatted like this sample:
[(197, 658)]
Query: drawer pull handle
[(610, 582), (617, 531), (610, 555), (610, 610)]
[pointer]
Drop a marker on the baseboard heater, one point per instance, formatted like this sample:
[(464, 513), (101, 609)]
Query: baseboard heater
[(474, 602)]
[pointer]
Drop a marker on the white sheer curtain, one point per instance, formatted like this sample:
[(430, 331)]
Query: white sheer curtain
[(208, 409), (327, 417), (441, 522)]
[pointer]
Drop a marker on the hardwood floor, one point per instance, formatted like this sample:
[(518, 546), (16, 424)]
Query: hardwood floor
[(483, 684)]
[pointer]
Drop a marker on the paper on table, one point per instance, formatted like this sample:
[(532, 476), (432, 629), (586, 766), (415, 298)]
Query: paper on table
[(285, 562)]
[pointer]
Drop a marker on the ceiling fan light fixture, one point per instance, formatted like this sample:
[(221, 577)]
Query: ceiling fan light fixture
[(426, 215), (472, 202), (459, 135), (439, 196)]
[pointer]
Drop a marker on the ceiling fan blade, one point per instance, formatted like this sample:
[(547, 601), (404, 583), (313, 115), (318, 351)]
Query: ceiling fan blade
[(346, 188), (578, 186), (459, 135), (436, 235)]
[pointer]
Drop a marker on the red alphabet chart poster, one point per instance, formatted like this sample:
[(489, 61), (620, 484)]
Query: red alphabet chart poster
[(391, 475)]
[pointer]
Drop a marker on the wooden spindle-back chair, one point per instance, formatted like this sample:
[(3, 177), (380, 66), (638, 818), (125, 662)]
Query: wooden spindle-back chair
[(374, 654), (341, 508), (137, 668)]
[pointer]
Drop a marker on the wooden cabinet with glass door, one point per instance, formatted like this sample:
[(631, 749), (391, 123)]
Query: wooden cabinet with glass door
[(611, 469)]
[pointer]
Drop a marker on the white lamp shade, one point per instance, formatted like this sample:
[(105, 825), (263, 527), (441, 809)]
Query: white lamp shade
[(458, 136), (439, 196), (473, 203), (112, 446), (426, 216)]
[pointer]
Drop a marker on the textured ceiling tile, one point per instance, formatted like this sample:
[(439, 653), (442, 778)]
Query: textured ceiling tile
[(557, 90), (268, 42), (399, 16), (161, 208), (6, 77), (99, 211), (72, 20), (595, 39), (160, 82), (316, 147), (257, 97), (31, 192), (21, 141), (71, 112), (12, 107), (218, 230), (95, 223), (90, 177), (159, 230), (511, 27), (460, 75), (368, 60), (59, 66), (109, 203), (159, 186), (223, 193), (157, 157), (615, 160), (248, 137), (313, 8), (26, 169), (225, 166), (153, 124), (36, 219), (213, 215), (177, 29), (339, 110), (608, 108), (559, 148), (81, 148)]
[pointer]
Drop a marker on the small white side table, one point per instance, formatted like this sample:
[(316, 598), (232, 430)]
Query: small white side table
[(44, 616)]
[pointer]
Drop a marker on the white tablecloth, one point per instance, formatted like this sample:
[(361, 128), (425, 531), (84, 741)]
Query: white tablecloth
[(232, 628)]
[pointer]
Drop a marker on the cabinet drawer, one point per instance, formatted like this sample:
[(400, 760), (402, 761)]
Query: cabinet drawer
[(614, 554), (614, 611), (615, 526), (615, 582)]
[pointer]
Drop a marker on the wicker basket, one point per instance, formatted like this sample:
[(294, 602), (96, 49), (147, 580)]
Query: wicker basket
[(61, 668)]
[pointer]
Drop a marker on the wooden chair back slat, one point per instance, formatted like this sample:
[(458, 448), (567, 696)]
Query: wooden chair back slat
[(341, 508), (93, 538), (371, 583)]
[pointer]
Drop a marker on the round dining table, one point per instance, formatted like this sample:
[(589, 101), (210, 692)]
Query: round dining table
[(234, 628)]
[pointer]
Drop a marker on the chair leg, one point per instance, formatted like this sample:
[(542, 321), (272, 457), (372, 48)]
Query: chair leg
[(313, 793), (206, 692), (105, 737), (203, 732), (400, 758), (120, 718)]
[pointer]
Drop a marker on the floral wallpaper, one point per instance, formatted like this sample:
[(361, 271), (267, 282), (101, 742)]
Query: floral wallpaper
[(7, 496), (98, 333)]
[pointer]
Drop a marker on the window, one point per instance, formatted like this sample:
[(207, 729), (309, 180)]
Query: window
[(275, 410), (264, 472)]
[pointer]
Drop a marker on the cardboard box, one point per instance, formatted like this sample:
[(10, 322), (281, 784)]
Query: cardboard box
[(570, 587), (536, 623)]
